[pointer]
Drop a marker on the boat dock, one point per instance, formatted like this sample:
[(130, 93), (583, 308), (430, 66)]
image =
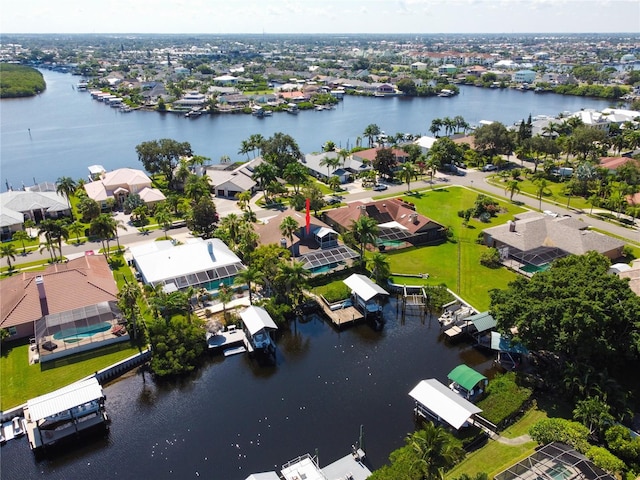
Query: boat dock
[(229, 340), (343, 315)]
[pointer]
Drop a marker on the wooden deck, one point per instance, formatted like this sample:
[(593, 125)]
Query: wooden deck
[(342, 316)]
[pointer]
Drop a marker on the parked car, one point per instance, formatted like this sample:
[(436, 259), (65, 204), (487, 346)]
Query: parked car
[(379, 187), (489, 167), (462, 165)]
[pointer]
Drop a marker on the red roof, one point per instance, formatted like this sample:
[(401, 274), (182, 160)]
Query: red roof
[(370, 154), (614, 162), (78, 283)]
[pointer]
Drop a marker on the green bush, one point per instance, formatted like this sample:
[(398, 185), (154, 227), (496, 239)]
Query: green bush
[(561, 430), (604, 459), (505, 398)]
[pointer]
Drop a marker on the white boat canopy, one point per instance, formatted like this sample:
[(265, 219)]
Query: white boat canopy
[(256, 319), (363, 287), (64, 399), (443, 403)]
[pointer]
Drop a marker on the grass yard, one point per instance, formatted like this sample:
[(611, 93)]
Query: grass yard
[(493, 458), (554, 193), (457, 265), (20, 381)]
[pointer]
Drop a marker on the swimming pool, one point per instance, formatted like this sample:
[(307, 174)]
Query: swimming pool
[(76, 334), (535, 268)]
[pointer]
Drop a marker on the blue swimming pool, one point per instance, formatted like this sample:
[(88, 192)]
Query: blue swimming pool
[(77, 334)]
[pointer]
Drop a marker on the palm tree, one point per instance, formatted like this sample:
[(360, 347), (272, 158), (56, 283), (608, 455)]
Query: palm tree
[(371, 132), (103, 227), (288, 227), (541, 188), (21, 236), (407, 172), (379, 266), (8, 251), (513, 188), (257, 142), (248, 276), (364, 231), (231, 224), (245, 148), (225, 295), (296, 174), (291, 281), (449, 125), (436, 125), (330, 162), (334, 183), (432, 167), (49, 246), (436, 450), (244, 200), (76, 228), (264, 174), (196, 187), (118, 224), (163, 217), (66, 186)]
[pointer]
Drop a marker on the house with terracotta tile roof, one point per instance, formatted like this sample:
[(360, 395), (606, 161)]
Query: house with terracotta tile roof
[(319, 249), (613, 163), (369, 155), (65, 291), (119, 184), (399, 225)]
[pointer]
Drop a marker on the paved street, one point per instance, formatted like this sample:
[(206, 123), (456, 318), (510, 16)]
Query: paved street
[(473, 179)]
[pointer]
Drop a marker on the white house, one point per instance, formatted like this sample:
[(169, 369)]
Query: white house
[(524, 76), (425, 143)]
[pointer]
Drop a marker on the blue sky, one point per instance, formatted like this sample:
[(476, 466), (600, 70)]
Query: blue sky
[(320, 16)]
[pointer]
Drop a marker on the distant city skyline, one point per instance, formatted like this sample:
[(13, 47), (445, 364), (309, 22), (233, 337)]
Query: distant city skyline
[(330, 16)]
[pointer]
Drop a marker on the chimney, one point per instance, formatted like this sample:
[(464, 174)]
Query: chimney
[(512, 225), (44, 306)]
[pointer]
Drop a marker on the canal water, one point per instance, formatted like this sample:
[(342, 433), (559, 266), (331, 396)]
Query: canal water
[(62, 131), (234, 417)]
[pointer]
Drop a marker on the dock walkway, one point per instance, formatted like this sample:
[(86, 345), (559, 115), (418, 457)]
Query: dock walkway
[(340, 316)]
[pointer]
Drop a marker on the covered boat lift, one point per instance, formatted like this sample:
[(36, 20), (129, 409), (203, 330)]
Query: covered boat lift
[(259, 325), (467, 382), (365, 293), (509, 354), (437, 402)]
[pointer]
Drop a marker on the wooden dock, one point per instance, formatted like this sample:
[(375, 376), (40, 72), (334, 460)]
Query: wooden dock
[(342, 316)]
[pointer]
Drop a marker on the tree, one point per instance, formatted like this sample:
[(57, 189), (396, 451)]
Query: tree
[(513, 188), (21, 236), (331, 162), (288, 227), (103, 227), (197, 187), (493, 139), (77, 229), (280, 150), (296, 175), (133, 201), (225, 295), (541, 189), (407, 172), (364, 231), (54, 231), (290, 282), (329, 146), (244, 200), (407, 86), (586, 140), (89, 209), (204, 217), (436, 125), (594, 414), (248, 276), (264, 174), (446, 152), (385, 162), (379, 266), (334, 182), (577, 310), (436, 450), (66, 186), (162, 156), (8, 251), (163, 218), (371, 132)]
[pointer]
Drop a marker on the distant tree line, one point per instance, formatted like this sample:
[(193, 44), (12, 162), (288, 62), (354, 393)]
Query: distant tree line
[(20, 81)]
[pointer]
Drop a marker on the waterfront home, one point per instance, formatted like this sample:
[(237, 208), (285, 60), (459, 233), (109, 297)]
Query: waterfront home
[(65, 414), (198, 263), (524, 76), (425, 143), (318, 247), (119, 184), (369, 155), (29, 297), (231, 183), (365, 294), (190, 100), (467, 382), (16, 206), (399, 225), (532, 240), (435, 401), (348, 169)]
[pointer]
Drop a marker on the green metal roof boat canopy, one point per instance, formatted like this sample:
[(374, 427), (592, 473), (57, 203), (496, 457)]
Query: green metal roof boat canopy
[(466, 377)]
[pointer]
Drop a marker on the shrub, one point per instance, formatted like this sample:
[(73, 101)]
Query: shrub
[(620, 443), (560, 430), (604, 459), (490, 258), (505, 398)]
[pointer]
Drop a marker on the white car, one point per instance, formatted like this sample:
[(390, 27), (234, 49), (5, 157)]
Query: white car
[(489, 167), (379, 187), (18, 429), (550, 213)]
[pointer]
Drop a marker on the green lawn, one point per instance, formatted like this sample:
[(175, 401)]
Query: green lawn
[(456, 264), (554, 193), (20, 381)]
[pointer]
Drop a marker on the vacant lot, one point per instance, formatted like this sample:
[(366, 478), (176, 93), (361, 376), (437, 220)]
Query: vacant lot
[(457, 262)]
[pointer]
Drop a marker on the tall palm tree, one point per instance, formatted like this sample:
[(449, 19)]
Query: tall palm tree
[(118, 224), (330, 162), (371, 132), (225, 295), (291, 281), (364, 231), (296, 174), (513, 188), (163, 217), (245, 148), (244, 200), (66, 186), (196, 187), (288, 227), (8, 251), (103, 227), (436, 450), (379, 266), (21, 236), (264, 174), (541, 188), (49, 246), (231, 223), (76, 228), (436, 125), (248, 276), (407, 172)]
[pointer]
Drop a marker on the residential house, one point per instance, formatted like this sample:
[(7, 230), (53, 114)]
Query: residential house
[(230, 183), (318, 247), (28, 297), (16, 206), (524, 76), (369, 155), (399, 225), (346, 171), (425, 143), (119, 184)]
